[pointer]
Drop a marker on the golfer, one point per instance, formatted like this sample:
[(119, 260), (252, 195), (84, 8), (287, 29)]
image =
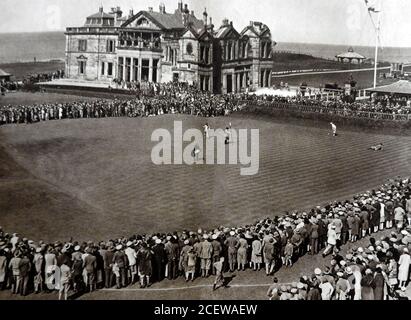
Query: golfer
[(333, 129)]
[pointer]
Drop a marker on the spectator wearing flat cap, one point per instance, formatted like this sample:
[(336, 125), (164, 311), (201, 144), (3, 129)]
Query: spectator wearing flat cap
[(145, 269), (107, 253), (217, 250), (160, 259), (206, 254), (119, 267), (14, 266), (173, 256), (24, 267), (90, 267), (232, 244)]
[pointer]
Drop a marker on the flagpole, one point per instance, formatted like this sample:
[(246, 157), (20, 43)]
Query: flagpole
[(377, 39)]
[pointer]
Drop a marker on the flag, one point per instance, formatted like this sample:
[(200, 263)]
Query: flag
[(370, 7)]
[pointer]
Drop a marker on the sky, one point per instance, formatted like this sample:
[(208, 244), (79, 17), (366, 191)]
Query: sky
[(314, 21)]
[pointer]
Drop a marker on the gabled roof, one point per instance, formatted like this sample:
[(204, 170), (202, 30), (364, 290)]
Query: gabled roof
[(399, 87), (4, 73), (192, 31), (204, 34), (225, 31), (168, 20), (258, 28)]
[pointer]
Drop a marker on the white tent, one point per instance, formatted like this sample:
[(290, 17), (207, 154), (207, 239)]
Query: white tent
[(276, 92)]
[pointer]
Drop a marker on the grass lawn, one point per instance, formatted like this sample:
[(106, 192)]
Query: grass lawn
[(94, 179)]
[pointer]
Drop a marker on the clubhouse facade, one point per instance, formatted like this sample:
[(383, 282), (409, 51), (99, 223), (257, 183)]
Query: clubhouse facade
[(161, 47)]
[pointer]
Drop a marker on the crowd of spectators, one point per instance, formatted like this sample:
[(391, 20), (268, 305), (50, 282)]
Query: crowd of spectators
[(382, 104), (28, 82), (194, 103), (27, 266)]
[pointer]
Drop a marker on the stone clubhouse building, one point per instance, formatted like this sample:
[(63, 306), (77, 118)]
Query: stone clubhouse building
[(161, 47)]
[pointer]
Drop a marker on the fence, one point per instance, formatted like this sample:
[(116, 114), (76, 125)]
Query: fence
[(317, 109)]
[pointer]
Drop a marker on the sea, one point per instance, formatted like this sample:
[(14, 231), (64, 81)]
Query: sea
[(45, 46)]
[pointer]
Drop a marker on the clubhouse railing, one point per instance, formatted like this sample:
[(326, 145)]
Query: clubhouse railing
[(294, 107)]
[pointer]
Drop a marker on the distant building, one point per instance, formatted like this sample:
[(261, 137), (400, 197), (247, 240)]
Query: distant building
[(401, 88), (351, 56), (162, 47), (4, 76)]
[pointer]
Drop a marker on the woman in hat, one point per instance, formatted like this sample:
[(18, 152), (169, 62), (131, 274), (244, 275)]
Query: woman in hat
[(242, 253), (38, 261), (65, 277), (256, 254), (367, 285), (190, 264), (379, 280), (404, 268), (49, 267)]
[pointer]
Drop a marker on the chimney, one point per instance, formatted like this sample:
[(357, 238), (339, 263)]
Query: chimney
[(231, 23), (162, 8), (251, 23), (205, 15), (192, 13), (180, 6), (225, 22), (186, 8), (131, 13), (150, 9), (119, 13), (100, 9)]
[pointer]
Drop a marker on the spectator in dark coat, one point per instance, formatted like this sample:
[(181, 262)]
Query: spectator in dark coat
[(379, 285), (160, 260)]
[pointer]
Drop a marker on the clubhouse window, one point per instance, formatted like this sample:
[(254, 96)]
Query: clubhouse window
[(82, 67), (82, 45), (110, 69)]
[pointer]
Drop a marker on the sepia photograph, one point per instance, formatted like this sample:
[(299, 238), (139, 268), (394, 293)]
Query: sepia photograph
[(226, 151)]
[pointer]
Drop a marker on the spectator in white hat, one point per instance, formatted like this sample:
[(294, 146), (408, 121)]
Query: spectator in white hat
[(404, 268), (331, 240), (132, 262)]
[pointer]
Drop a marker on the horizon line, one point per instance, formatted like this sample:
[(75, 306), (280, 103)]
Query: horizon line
[(278, 42)]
